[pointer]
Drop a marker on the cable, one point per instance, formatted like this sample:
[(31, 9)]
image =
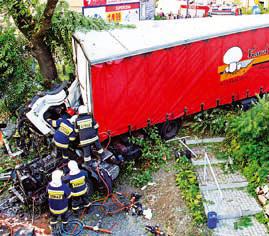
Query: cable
[(109, 138), (76, 223)]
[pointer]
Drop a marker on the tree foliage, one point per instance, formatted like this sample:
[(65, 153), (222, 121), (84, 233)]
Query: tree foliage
[(18, 81), (48, 29), (64, 24)]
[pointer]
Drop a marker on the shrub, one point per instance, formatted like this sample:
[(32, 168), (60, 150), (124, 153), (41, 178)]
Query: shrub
[(248, 143)]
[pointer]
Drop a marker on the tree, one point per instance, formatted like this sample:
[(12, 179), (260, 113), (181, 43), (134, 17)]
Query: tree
[(48, 28), (35, 28)]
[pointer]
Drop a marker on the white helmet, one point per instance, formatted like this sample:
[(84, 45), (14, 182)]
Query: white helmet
[(73, 167), (56, 177), (82, 109)]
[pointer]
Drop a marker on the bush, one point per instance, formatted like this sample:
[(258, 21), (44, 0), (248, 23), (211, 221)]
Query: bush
[(212, 122), (248, 143), (154, 154)]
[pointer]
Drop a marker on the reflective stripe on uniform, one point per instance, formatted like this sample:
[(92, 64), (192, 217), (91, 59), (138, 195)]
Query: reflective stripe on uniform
[(65, 157), (85, 123), (60, 144), (96, 126), (100, 151), (53, 222), (56, 195), (65, 129), (75, 208), (72, 138), (88, 141), (78, 182), (53, 123), (58, 212), (87, 158), (77, 194), (56, 192)]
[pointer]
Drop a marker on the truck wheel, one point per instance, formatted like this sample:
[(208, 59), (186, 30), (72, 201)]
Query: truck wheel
[(169, 129)]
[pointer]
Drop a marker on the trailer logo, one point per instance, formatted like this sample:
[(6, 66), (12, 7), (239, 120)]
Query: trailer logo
[(235, 67)]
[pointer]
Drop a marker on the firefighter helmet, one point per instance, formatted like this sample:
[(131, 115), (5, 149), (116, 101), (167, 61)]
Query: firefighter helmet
[(56, 178), (82, 109), (73, 167)]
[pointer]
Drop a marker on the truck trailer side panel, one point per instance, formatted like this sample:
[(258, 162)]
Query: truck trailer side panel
[(165, 84)]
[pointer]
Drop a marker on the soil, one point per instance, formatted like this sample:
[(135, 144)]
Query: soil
[(169, 209)]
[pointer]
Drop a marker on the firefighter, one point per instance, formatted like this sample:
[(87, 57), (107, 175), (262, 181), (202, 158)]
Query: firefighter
[(58, 195), (87, 128), (64, 133), (76, 179)]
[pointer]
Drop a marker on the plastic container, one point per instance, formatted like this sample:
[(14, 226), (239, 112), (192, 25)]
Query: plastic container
[(212, 220)]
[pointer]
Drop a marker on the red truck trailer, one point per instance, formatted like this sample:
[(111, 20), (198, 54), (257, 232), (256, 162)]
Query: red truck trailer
[(163, 70)]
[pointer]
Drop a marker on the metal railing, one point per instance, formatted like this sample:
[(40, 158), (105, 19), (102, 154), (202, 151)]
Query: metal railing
[(207, 164), (207, 161)]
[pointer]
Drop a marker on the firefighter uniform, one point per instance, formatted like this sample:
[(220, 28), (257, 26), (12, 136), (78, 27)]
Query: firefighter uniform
[(63, 135), (79, 189), (58, 202), (87, 128)]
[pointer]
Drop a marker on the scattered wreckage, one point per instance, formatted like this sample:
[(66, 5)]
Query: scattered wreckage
[(29, 180)]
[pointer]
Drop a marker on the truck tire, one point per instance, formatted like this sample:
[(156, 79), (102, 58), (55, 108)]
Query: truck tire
[(169, 129)]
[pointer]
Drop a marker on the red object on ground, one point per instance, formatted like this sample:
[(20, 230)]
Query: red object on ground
[(169, 83)]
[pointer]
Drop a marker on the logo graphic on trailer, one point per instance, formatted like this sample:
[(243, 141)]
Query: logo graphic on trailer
[(234, 67)]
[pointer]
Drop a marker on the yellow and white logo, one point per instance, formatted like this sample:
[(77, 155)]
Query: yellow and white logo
[(234, 67)]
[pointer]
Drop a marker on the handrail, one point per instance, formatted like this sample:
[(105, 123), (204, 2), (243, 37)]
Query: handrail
[(207, 160)]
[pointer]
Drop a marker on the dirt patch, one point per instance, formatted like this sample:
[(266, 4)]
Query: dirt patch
[(168, 207)]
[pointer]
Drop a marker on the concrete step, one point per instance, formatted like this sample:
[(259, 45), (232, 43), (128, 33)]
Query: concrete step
[(201, 162), (235, 203), (204, 141), (225, 180), (226, 228), (210, 187)]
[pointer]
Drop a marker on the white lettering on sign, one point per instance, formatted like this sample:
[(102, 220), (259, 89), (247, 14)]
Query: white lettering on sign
[(126, 7), (120, 1)]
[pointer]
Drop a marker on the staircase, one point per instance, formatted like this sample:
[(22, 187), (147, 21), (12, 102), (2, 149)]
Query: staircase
[(226, 194)]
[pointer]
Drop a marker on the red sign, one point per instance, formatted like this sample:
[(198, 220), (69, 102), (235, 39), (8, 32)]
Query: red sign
[(91, 3), (122, 7)]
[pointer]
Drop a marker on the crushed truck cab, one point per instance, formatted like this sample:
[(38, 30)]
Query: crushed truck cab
[(41, 103)]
